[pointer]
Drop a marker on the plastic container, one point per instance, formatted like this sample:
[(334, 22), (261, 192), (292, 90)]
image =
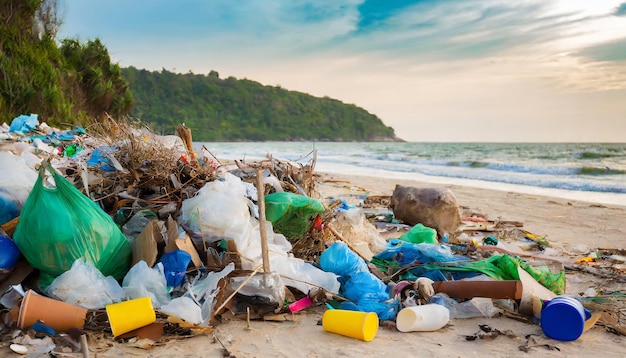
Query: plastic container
[(9, 253), (563, 318), (420, 234), (300, 304), (57, 315), (129, 315), (429, 317), (355, 324)]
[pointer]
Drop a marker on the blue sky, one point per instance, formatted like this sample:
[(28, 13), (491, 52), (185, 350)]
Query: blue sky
[(447, 70)]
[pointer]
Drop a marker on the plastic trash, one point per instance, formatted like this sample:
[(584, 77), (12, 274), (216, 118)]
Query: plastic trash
[(205, 291), (563, 318), (59, 225), (175, 266), (360, 232), (339, 259), (476, 307), (143, 281), (429, 317), (184, 308), (99, 159), (420, 234), (219, 210), (16, 183), (24, 123), (268, 285), (9, 253), (291, 213), (138, 222), (83, 285), (405, 253), (366, 291)]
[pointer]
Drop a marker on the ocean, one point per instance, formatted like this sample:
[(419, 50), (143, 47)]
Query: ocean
[(592, 172)]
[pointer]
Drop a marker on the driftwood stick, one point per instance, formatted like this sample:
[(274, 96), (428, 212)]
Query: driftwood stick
[(260, 188), (338, 235), (237, 290), (83, 345)]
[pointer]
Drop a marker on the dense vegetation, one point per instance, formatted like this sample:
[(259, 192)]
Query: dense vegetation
[(230, 110), (68, 82)]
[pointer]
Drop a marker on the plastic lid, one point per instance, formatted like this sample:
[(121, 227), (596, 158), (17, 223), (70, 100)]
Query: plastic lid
[(562, 320)]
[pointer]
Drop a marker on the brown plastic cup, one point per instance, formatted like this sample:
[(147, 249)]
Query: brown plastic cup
[(57, 315)]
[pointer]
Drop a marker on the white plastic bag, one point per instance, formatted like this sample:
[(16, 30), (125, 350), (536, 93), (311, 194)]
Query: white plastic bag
[(184, 308), (143, 281), (85, 286)]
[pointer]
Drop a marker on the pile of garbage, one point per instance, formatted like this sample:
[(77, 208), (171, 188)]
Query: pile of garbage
[(131, 235)]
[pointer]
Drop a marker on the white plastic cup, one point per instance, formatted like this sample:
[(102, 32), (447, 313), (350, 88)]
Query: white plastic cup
[(429, 317)]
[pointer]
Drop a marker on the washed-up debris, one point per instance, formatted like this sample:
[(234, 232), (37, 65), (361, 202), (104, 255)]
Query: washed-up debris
[(212, 241)]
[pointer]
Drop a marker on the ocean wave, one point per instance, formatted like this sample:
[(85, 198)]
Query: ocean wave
[(600, 171), (595, 155)]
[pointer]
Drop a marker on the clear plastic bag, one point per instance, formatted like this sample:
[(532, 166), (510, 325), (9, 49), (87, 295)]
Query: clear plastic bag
[(143, 281), (85, 286), (184, 308)]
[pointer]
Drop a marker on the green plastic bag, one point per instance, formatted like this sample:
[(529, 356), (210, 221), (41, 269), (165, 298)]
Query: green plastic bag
[(59, 225), (504, 267), (290, 213), (420, 234)]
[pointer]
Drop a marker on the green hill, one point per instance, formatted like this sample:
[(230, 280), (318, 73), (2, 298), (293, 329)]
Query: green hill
[(68, 82), (243, 110)]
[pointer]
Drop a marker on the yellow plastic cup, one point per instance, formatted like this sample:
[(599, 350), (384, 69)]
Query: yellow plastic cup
[(355, 324), (132, 314)]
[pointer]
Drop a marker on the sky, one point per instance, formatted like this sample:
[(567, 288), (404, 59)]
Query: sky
[(445, 71)]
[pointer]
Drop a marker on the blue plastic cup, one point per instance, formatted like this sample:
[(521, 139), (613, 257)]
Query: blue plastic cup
[(563, 318)]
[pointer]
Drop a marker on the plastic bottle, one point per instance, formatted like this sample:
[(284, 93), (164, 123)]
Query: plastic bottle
[(429, 317)]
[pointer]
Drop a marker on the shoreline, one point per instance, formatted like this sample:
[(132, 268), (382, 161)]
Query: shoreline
[(567, 224), (604, 198)]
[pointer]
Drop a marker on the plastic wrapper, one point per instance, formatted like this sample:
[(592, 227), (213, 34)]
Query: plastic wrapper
[(217, 210), (83, 285), (291, 213), (15, 184), (302, 275), (143, 281), (59, 225), (184, 308), (476, 307), (405, 253), (355, 228), (269, 285)]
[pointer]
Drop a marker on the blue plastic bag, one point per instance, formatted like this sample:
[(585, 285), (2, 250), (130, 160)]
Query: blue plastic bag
[(340, 260), (23, 123), (175, 266), (405, 253), (358, 284)]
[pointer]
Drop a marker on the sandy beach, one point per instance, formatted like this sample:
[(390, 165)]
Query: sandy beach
[(573, 229)]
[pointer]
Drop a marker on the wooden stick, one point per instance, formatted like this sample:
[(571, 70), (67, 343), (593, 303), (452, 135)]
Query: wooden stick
[(338, 235), (237, 290), (262, 221), (83, 345)]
